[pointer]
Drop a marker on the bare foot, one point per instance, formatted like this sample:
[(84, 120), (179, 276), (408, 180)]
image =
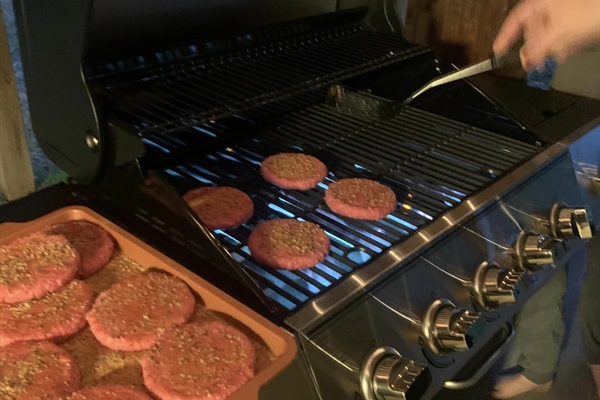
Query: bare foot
[(596, 373), (515, 385)]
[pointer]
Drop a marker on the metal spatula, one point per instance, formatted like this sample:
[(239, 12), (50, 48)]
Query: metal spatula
[(492, 63)]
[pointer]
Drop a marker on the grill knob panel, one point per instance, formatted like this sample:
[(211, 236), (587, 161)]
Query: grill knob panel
[(447, 328), (570, 222), (386, 375), (533, 251), (494, 285)]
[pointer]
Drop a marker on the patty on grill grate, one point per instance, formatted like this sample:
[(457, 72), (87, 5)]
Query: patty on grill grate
[(220, 207), (293, 171), (360, 198), (288, 244)]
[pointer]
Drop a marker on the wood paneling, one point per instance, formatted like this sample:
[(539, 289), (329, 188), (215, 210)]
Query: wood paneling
[(461, 31), (16, 174)]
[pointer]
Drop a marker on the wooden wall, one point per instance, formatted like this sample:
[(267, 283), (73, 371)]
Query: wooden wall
[(461, 31)]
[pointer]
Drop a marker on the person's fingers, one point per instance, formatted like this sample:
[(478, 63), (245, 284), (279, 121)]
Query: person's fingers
[(524, 59), (536, 48), (512, 27)]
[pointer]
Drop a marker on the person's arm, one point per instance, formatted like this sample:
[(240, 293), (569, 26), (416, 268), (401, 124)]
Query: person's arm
[(554, 29)]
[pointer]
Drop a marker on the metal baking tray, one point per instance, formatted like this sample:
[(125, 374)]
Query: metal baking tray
[(279, 344)]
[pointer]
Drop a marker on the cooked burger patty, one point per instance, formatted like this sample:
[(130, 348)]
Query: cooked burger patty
[(94, 244), (34, 265), (360, 199), (288, 244), (131, 314), (56, 316), (220, 207), (199, 361), (36, 371), (293, 171)]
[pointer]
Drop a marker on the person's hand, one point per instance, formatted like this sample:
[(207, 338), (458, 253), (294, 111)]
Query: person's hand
[(554, 29)]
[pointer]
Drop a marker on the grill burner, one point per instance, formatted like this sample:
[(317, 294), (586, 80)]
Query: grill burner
[(432, 163)]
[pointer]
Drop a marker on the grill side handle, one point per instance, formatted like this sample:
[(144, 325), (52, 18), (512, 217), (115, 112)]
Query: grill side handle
[(63, 115)]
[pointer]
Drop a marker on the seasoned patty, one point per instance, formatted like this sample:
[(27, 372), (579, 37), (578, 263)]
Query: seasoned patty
[(55, 316), (199, 361), (132, 313), (109, 392), (94, 244), (34, 265), (288, 244), (360, 198), (36, 371), (220, 207), (293, 171)]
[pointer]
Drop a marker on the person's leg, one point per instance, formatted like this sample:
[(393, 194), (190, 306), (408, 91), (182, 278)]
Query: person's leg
[(590, 309), (539, 332)]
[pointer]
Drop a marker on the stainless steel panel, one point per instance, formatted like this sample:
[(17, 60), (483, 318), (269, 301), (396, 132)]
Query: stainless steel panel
[(585, 152), (376, 270)]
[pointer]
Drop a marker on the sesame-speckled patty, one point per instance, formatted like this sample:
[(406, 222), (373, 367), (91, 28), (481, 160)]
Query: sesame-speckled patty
[(109, 392), (131, 314), (93, 243), (199, 361), (293, 171), (360, 198), (34, 265), (54, 316), (220, 207), (36, 371), (288, 244)]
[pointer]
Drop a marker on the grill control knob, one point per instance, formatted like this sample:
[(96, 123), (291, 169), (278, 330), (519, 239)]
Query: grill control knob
[(386, 375), (570, 222), (494, 285), (533, 251), (447, 328)]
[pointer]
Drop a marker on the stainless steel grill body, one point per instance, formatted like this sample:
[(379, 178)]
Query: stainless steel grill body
[(404, 306)]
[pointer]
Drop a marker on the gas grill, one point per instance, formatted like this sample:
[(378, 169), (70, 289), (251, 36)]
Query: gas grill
[(139, 104)]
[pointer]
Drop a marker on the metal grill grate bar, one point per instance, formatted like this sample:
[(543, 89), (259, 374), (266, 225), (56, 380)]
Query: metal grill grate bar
[(429, 161), (188, 93)]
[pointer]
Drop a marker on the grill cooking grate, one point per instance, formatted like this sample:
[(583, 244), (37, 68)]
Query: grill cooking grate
[(198, 91), (432, 163)]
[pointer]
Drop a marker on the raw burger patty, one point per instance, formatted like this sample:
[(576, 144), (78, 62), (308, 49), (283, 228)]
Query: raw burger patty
[(34, 265), (55, 316), (288, 244), (36, 371), (293, 171), (220, 207), (109, 392), (94, 244), (131, 314), (360, 199), (199, 361)]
